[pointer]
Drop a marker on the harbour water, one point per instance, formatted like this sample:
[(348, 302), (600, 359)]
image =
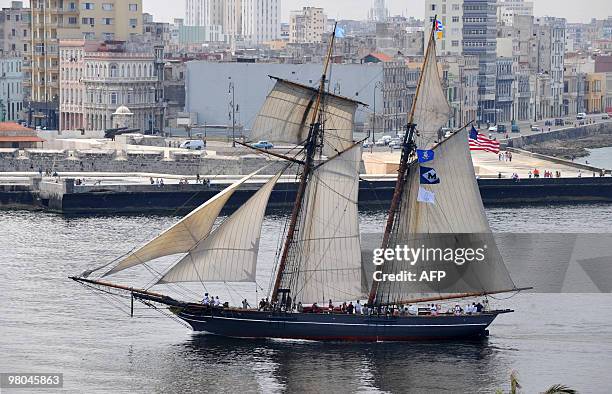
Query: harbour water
[(599, 157), (50, 324)]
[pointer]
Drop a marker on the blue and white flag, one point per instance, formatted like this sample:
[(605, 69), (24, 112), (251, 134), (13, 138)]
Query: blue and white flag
[(339, 32), (426, 196), (425, 155), (429, 176)]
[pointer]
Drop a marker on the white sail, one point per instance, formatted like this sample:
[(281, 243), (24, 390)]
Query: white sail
[(229, 253), (287, 113), (185, 234), (431, 109), (327, 247), (458, 207), (456, 219)]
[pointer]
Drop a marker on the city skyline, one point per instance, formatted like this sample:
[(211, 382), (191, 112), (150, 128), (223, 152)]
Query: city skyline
[(345, 9)]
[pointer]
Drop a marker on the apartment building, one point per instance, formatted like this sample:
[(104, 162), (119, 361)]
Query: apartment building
[(307, 25), (14, 29), (55, 20), (450, 13)]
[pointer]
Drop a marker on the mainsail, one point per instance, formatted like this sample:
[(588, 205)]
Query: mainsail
[(185, 234), (229, 253), (326, 252), (456, 220), (287, 112)]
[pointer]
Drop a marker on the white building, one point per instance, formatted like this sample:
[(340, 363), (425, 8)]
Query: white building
[(209, 14), (261, 20), (11, 87), (450, 13), (307, 26), (96, 79)]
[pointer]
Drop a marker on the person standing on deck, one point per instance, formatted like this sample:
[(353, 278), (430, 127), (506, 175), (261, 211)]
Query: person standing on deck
[(206, 300), (245, 304)]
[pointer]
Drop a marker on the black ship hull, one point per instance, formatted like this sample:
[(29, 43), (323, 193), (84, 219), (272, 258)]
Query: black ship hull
[(335, 327)]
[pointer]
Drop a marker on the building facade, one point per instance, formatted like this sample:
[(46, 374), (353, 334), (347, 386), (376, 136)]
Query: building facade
[(55, 20), (399, 88), (307, 25), (261, 20), (450, 13), (11, 87), (101, 77), (14, 29), (480, 39), (209, 14), (550, 36)]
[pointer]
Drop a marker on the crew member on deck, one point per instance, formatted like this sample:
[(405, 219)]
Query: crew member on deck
[(206, 299)]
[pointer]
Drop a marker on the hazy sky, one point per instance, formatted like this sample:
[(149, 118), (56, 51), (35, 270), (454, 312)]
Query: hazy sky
[(573, 10)]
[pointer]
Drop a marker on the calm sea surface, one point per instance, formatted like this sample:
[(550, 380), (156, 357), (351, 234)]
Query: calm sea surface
[(600, 157), (50, 324)]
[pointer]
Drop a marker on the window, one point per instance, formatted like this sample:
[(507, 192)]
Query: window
[(107, 21), (87, 21), (133, 7), (107, 6), (133, 22), (433, 7), (72, 20), (113, 98), (455, 19), (455, 43), (87, 6)]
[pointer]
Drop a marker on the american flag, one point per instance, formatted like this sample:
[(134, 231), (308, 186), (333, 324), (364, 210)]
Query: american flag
[(481, 142)]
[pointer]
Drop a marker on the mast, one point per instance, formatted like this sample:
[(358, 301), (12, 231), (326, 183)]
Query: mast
[(408, 147), (311, 145)]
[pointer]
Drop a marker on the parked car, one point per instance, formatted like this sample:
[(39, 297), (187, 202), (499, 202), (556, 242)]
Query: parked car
[(193, 145), (581, 116), (263, 145), (493, 129), (386, 139), (548, 123), (535, 128), (395, 144), (569, 122), (515, 128), (559, 122), (501, 128), (605, 116), (367, 144)]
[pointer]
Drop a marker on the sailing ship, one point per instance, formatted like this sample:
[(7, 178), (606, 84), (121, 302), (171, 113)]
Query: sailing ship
[(320, 258)]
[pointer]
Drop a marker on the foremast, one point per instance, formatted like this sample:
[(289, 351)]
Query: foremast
[(314, 140)]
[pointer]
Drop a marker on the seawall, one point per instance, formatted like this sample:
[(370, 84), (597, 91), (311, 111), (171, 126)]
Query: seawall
[(66, 197)]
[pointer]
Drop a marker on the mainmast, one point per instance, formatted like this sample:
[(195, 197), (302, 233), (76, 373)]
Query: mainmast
[(408, 147), (314, 135)]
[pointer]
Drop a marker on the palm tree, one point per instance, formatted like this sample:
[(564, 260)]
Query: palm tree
[(554, 389)]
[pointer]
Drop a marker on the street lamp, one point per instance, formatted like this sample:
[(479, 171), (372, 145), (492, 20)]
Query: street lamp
[(233, 104), (380, 85)]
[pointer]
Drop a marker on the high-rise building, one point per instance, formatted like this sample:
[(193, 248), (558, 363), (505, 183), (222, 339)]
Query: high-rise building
[(53, 20), (233, 19), (550, 52), (209, 14), (261, 20), (450, 13), (307, 25), (480, 39)]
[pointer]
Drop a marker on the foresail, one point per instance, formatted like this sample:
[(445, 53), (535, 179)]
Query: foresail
[(185, 234), (326, 252), (432, 109), (229, 253), (287, 112), (455, 219)]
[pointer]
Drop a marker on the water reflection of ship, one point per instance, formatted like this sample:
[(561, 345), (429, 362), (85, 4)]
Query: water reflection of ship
[(306, 366), (319, 258)]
